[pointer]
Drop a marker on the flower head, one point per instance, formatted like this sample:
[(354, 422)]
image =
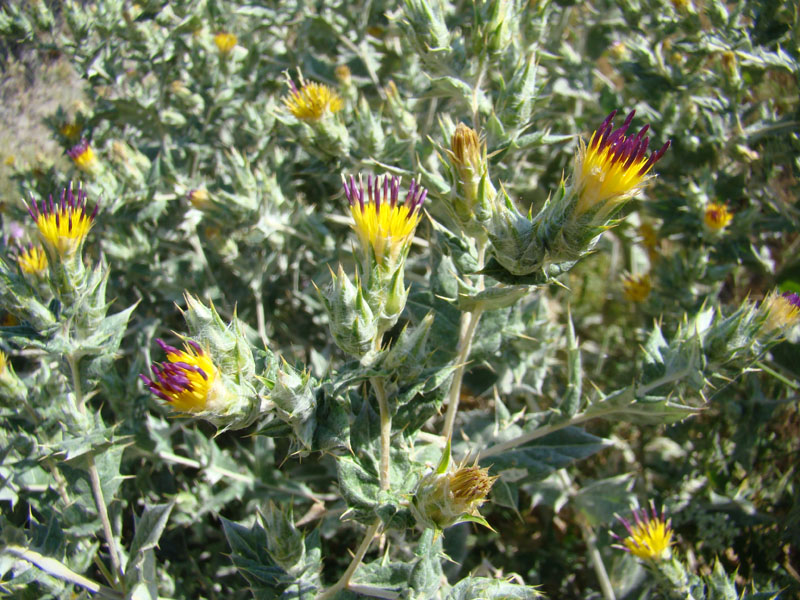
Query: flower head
[(448, 496), (188, 381), (781, 311), (636, 288), (613, 166), (63, 225), (83, 156), (381, 223), (33, 260), (70, 130), (717, 217), (466, 147), (312, 101), (649, 536), (225, 42)]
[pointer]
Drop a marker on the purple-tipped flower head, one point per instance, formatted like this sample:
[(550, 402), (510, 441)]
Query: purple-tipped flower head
[(613, 166), (63, 224), (188, 381), (383, 222)]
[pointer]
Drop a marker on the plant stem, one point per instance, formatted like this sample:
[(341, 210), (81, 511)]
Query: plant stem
[(386, 430), (469, 323), (94, 476), (344, 580), (597, 562)]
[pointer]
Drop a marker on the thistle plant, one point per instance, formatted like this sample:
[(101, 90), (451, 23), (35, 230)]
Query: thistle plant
[(401, 301)]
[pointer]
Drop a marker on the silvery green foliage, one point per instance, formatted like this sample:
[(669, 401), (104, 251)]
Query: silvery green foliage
[(560, 368)]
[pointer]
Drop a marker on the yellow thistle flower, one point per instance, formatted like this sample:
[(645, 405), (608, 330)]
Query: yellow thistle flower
[(312, 101), (717, 217), (612, 168), (70, 130), (3, 362), (781, 311), (199, 198), (63, 225), (225, 42), (33, 261), (636, 288), (383, 225), (649, 536), (84, 157), (189, 381)]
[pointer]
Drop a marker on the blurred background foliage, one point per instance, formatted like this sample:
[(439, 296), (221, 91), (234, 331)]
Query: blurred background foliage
[(206, 183)]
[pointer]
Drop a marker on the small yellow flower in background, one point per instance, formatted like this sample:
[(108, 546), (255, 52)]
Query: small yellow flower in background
[(636, 288), (70, 130), (9, 160), (33, 261), (63, 225), (83, 156), (612, 168), (343, 74), (649, 240), (717, 217), (225, 42), (649, 536), (681, 4), (781, 311), (3, 362), (199, 198), (188, 381), (383, 225), (312, 101), (8, 320), (618, 50)]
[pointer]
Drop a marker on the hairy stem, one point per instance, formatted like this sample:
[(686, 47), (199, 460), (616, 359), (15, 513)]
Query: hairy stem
[(386, 430), (344, 580), (469, 323), (94, 476)]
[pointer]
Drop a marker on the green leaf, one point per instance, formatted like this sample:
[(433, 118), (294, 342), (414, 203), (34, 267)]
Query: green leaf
[(543, 456), (148, 528), (484, 588), (250, 557)]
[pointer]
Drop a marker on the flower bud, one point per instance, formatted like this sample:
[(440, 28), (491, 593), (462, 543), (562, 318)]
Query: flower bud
[(226, 342), (11, 386), (353, 325), (475, 190), (295, 402)]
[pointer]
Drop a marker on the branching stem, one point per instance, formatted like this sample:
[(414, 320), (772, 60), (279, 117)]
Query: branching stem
[(357, 558)]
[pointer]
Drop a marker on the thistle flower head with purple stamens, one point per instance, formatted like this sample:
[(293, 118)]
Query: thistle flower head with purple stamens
[(649, 535), (83, 156), (383, 223), (188, 381), (613, 166), (63, 224)]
